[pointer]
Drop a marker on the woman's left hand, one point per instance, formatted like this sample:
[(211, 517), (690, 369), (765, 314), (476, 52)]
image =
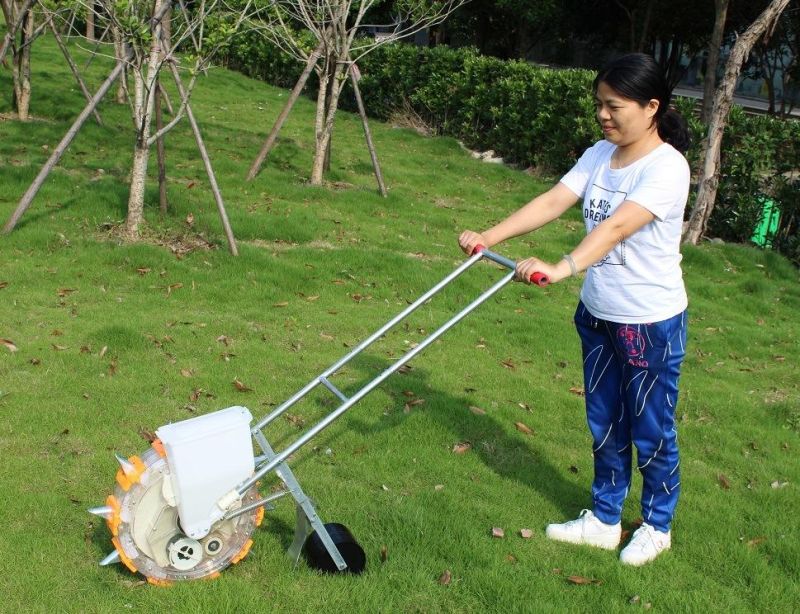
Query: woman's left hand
[(526, 268)]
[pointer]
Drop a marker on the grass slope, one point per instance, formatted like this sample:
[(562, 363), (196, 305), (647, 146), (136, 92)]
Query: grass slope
[(114, 340)]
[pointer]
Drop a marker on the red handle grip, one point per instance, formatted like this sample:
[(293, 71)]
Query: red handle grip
[(478, 249), (540, 279)]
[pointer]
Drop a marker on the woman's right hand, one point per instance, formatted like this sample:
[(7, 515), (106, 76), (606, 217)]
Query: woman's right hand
[(469, 240)]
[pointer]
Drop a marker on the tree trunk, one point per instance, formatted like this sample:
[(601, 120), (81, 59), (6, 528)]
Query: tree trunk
[(710, 77), (319, 124), (90, 20), (121, 96), (707, 189), (144, 104), (22, 69), (324, 137)]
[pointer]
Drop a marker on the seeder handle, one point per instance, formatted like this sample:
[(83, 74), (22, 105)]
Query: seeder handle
[(538, 279)]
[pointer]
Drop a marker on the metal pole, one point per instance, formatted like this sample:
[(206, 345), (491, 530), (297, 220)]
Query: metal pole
[(379, 333), (292, 448)]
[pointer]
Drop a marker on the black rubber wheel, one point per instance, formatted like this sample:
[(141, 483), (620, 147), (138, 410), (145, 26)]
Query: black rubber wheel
[(352, 553)]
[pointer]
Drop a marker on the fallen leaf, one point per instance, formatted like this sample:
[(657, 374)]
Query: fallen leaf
[(281, 304), (311, 299), (148, 436), (446, 577), (240, 386), (36, 362), (582, 580), (779, 358), (56, 333), (756, 541), (85, 349), (296, 420), (9, 345), (477, 410), (143, 271), (187, 372), (461, 448), (103, 351), (525, 533), (498, 533), (438, 487), (224, 340), (724, 481), (384, 554), (57, 348), (523, 428), (327, 337), (577, 390), (190, 219), (3, 284), (508, 364), (634, 600), (777, 484), (511, 558), (408, 393), (524, 406), (66, 291), (190, 185), (112, 368), (405, 369)]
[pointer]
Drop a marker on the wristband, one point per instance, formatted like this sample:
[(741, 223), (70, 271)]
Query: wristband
[(572, 268)]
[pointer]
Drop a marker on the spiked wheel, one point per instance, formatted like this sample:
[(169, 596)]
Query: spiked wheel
[(143, 519)]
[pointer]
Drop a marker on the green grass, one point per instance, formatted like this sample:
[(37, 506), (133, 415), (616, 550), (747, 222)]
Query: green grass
[(116, 339)]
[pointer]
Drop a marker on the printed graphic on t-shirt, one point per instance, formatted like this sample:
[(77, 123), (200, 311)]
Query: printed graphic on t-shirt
[(600, 204)]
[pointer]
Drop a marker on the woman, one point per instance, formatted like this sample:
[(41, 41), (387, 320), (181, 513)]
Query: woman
[(631, 318)]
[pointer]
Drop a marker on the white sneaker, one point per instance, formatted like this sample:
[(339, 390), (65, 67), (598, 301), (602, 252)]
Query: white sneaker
[(645, 545), (588, 530)]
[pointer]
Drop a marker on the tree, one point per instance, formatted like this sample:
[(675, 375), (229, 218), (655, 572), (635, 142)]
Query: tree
[(707, 190), (145, 52), (714, 45), (335, 27)]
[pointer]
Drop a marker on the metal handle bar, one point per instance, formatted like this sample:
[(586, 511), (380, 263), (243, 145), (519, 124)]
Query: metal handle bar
[(349, 402)]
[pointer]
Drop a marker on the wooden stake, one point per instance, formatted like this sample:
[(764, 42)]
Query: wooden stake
[(354, 77), (273, 135), (74, 70), (206, 162), (29, 195)]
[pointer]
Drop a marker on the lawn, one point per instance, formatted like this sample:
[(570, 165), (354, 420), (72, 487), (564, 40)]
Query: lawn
[(112, 340)]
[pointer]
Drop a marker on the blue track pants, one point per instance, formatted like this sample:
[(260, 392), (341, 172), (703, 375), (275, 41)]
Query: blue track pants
[(631, 376)]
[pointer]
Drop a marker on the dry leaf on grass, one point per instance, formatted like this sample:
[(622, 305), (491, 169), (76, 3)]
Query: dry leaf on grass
[(10, 346), (498, 533), (461, 448), (525, 533), (523, 428), (446, 578), (577, 390), (240, 386), (724, 481), (582, 580), (384, 554), (477, 410)]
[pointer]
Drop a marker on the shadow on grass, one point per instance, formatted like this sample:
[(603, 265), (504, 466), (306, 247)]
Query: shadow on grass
[(508, 456)]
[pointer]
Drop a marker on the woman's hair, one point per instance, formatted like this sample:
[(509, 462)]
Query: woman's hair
[(638, 77)]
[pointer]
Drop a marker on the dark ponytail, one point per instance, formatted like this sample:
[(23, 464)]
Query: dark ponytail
[(638, 77)]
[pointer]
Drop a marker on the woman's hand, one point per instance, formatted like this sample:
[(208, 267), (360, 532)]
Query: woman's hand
[(554, 272), (469, 240)]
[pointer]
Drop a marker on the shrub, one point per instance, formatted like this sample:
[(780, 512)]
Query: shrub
[(544, 118)]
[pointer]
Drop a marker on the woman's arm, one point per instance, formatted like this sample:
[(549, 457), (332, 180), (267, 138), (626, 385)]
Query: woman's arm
[(541, 210), (626, 220)]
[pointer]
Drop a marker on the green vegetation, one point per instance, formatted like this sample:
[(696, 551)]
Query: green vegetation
[(113, 340)]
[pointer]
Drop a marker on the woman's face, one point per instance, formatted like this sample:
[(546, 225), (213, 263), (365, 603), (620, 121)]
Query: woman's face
[(623, 121)]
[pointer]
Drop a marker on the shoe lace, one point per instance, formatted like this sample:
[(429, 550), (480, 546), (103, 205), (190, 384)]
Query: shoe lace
[(643, 537), (580, 519)]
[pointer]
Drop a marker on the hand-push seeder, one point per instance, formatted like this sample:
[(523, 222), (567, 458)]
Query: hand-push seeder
[(187, 507)]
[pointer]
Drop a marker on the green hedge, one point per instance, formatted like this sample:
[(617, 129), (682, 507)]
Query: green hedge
[(544, 118)]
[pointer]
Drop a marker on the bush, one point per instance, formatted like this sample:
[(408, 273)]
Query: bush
[(544, 118)]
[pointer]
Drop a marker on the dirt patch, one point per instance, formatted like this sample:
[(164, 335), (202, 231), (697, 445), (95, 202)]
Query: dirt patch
[(179, 242)]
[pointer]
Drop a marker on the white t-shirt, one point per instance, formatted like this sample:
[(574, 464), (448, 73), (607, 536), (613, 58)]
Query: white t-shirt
[(640, 280)]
